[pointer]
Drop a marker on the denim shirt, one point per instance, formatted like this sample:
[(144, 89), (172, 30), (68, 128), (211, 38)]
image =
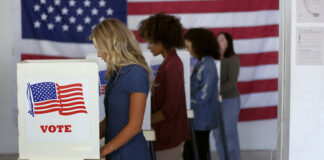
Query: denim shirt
[(204, 94)]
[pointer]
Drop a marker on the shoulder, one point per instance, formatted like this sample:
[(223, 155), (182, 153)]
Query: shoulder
[(135, 69), (137, 79), (209, 60), (234, 58), (174, 60)]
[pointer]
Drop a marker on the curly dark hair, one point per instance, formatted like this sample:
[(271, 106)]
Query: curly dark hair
[(163, 28), (204, 42)]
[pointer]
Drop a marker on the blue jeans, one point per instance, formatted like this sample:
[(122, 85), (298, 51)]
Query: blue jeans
[(226, 134)]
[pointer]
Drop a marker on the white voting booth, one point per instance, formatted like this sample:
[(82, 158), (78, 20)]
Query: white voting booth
[(60, 106), (58, 110)]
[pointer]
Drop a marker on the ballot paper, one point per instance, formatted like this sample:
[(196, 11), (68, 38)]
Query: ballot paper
[(309, 49), (310, 11)]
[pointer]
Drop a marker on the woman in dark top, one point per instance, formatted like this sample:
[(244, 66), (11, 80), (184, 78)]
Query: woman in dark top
[(169, 115), (126, 91), (227, 132), (202, 44)]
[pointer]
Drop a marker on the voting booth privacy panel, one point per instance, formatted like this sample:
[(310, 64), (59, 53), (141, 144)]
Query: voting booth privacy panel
[(58, 109)]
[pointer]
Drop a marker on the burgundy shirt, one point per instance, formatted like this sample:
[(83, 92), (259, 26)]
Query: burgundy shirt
[(169, 96)]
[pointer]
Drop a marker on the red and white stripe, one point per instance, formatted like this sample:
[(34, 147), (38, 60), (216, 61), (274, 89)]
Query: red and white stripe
[(71, 98), (102, 89), (254, 27)]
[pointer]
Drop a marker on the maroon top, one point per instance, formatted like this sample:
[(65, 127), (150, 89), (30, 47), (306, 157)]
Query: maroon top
[(169, 96)]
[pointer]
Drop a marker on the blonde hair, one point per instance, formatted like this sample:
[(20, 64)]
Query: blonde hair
[(113, 38)]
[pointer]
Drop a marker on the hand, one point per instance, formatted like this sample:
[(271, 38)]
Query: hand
[(105, 151), (102, 154)]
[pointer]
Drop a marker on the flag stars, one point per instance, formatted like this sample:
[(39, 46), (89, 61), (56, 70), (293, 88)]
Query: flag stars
[(87, 3), (79, 28), (36, 7), (65, 11), (101, 19), (50, 26), (94, 11), (43, 1), (72, 19), (109, 12), (79, 11), (65, 27), (102, 3), (58, 18), (44, 17), (87, 20), (37, 24), (72, 3), (57, 2), (50, 9)]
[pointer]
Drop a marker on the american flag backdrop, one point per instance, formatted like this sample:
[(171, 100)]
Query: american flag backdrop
[(61, 28), (48, 97)]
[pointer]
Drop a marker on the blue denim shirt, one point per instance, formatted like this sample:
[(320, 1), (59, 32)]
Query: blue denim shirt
[(204, 94), (129, 79)]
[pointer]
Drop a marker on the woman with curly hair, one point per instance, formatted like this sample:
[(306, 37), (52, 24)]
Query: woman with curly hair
[(169, 116), (202, 44)]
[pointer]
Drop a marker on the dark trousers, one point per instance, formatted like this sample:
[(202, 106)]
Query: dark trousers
[(202, 139)]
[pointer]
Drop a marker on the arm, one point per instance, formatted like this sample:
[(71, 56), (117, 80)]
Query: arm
[(134, 126), (102, 127), (157, 117), (206, 86), (169, 110), (233, 70)]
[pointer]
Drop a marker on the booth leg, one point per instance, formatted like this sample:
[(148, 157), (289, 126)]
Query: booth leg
[(193, 139), (209, 153), (152, 150)]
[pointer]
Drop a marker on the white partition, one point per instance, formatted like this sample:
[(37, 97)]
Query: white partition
[(58, 110), (301, 83)]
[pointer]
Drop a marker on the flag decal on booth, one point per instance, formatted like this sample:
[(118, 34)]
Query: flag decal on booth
[(48, 97), (103, 81)]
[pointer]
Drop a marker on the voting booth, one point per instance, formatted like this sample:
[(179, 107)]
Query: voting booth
[(58, 105)]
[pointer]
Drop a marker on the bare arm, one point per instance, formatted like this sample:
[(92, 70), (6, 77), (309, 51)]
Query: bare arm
[(134, 126), (102, 126), (157, 117)]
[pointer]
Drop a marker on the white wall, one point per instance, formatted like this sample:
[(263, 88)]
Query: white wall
[(256, 135), (8, 128)]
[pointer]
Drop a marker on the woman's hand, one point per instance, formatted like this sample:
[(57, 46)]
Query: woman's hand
[(104, 151)]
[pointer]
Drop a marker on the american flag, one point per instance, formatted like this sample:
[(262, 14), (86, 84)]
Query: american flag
[(103, 81), (60, 29), (48, 97)]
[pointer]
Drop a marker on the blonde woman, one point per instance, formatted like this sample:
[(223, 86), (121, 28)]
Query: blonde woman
[(126, 92)]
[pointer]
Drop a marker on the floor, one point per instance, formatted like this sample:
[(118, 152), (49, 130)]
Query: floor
[(246, 155)]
